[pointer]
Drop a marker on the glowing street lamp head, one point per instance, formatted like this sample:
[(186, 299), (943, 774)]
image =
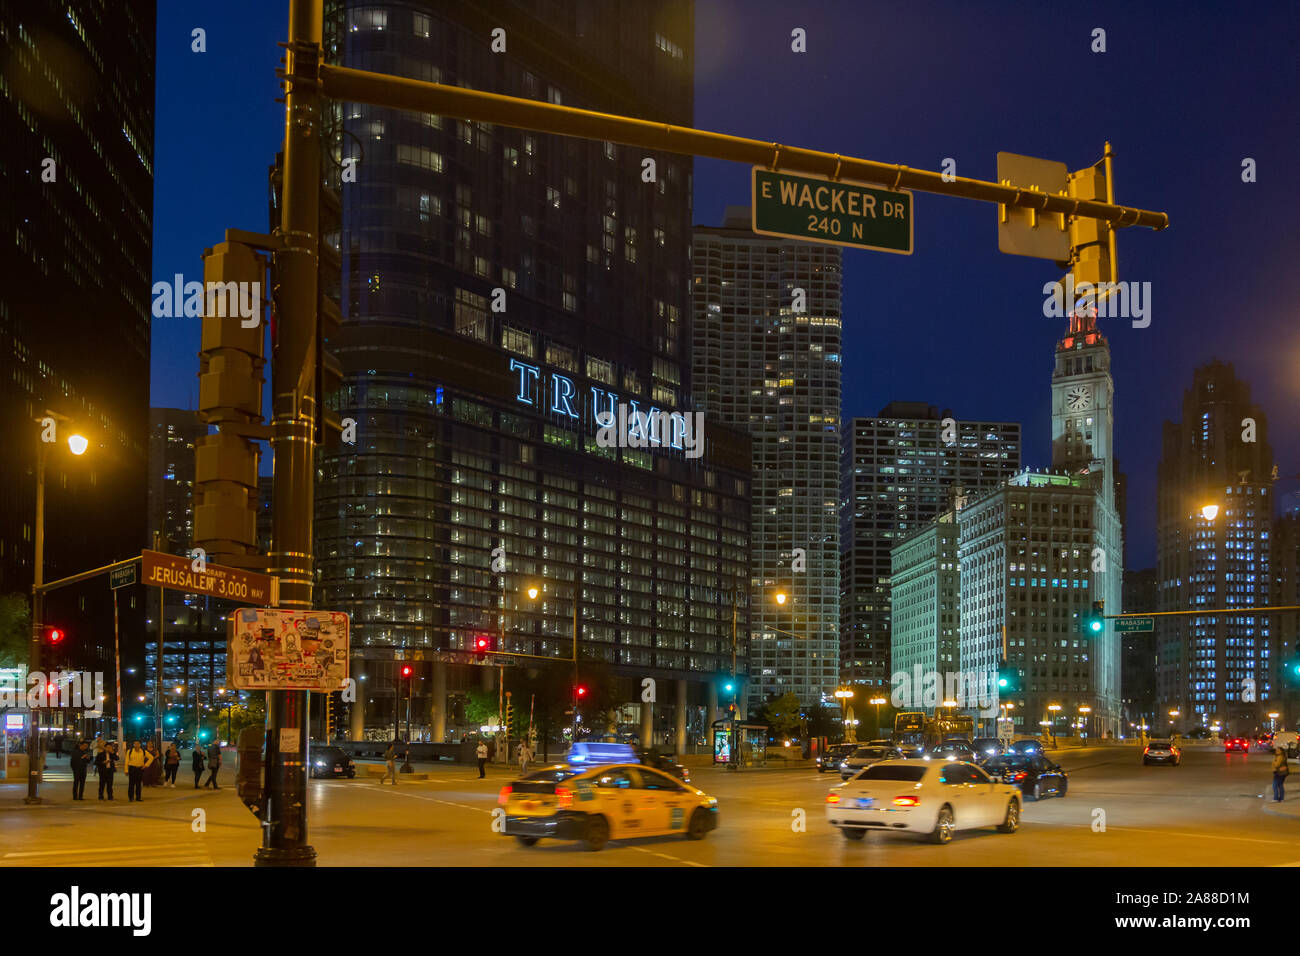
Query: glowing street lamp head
[(780, 597), (532, 593), (77, 444), (1209, 512)]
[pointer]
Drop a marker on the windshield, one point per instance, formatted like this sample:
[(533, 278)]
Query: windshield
[(893, 772), (868, 753), (552, 775), (1158, 743), (1009, 763)]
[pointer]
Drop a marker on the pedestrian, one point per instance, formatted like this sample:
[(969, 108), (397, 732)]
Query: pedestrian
[(137, 758), (390, 764), (1280, 770), (58, 745), (481, 753), (99, 745), (214, 764), (153, 769), (197, 764), (81, 760), (106, 764), (171, 764), (525, 755)]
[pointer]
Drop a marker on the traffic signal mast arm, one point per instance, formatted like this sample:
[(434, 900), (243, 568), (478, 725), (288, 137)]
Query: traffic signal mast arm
[(1222, 610), (376, 89)]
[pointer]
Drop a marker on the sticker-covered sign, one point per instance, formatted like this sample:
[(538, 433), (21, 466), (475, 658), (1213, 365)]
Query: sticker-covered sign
[(281, 649)]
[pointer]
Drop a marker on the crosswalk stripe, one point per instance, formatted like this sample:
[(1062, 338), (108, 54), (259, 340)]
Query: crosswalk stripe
[(145, 855)]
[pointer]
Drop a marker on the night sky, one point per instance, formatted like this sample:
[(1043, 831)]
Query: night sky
[(1183, 93)]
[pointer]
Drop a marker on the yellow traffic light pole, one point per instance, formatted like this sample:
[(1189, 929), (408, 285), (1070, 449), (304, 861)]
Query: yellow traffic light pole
[(375, 89)]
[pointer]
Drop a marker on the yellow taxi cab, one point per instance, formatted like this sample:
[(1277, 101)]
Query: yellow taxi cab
[(596, 804)]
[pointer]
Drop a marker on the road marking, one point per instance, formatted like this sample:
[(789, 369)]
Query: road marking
[(1199, 836), (445, 803), (151, 854), (665, 856)]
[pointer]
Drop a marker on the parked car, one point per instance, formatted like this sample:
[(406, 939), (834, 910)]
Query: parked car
[(330, 761), (1035, 775), (1161, 751), (931, 798), (834, 756), (1289, 741)]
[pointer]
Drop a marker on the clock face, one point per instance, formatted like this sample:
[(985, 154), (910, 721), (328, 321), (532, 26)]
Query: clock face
[(1078, 398)]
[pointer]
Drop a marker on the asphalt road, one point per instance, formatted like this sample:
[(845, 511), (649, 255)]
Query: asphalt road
[(1206, 812)]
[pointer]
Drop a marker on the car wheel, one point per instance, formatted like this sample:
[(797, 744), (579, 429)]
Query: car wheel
[(1012, 821), (853, 833), (942, 832), (526, 840), (1065, 785), (597, 833), (699, 824)]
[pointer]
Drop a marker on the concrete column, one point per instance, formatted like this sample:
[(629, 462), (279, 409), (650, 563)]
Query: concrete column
[(710, 710), (647, 724), (680, 718), (438, 710), (488, 677)]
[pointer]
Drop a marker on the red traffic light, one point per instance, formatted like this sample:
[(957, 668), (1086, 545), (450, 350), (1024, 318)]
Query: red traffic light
[(406, 670), (481, 644), (581, 691), (54, 635)]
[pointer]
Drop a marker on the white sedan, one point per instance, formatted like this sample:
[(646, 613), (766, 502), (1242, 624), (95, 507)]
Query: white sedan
[(935, 798)]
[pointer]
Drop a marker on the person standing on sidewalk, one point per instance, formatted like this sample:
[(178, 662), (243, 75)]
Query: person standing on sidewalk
[(81, 759), (214, 764), (525, 755), (106, 764), (1280, 770), (390, 764), (197, 765), (137, 758), (481, 753), (171, 764)]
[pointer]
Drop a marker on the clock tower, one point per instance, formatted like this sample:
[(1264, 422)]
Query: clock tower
[(1083, 403)]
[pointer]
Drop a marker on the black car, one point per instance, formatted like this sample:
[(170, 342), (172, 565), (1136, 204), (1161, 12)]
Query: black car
[(652, 758), (1023, 747), (327, 761), (833, 755), (952, 750), (986, 748), (1034, 774)]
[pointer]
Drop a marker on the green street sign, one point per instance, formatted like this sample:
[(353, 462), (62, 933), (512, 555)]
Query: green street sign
[(1123, 624), (813, 209), (121, 577)]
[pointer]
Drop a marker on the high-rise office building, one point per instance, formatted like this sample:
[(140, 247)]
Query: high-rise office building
[(1035, 555), (1138, 667), (504, 293), (1213, 521), (173, 433), (925, 593), (767, 360), (898, 473), (76, 240)]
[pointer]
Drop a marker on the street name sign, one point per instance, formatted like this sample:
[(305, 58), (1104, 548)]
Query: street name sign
[(121, 577), (815, 209), (287, 649), (1123, 624), (172, 571)]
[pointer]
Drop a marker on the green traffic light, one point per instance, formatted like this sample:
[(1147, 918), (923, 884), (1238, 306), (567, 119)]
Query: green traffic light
[(1095, 625), (1003, 682)]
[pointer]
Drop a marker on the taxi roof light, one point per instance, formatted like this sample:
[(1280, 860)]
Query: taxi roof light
[(564, 797), (504, 796)]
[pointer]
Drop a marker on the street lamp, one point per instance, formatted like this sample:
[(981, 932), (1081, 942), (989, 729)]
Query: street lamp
[(1209, 512), (77, 445), (877, 700), (1054, 708), (1084, 711)]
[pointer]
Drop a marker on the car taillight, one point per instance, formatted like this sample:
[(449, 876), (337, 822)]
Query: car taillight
[(564, 797), (1020, 776), (906, 801), (832, 798), (686, 775), (504, 796)]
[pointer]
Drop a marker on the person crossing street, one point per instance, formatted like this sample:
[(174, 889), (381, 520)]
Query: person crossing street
[(81, 760)]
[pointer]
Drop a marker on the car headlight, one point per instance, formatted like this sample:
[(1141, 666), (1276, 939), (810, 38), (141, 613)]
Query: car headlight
[(320, 763)]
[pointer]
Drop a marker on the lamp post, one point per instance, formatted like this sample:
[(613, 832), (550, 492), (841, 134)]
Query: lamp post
[(77, 445), (1054, 708), (1006, 716), (1084, 711), (844, 695), (877, 700)]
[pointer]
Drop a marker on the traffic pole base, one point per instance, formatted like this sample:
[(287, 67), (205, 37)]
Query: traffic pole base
[(288, 856)]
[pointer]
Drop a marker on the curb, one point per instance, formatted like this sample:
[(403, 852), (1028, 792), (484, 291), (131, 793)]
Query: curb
[(1266, 805)]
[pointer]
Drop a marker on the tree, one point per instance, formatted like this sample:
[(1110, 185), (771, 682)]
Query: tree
[(481, 707), (249, 712), (782, 714), (15, 630)]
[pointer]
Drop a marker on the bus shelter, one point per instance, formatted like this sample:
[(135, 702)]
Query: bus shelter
[(739, 745)]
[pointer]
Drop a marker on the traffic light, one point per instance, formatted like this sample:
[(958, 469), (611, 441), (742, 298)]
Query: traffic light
[(580, 692), (482, 644), (1095, 621), (407, 670), (231, 363), (1008, 679), (54, 636)]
